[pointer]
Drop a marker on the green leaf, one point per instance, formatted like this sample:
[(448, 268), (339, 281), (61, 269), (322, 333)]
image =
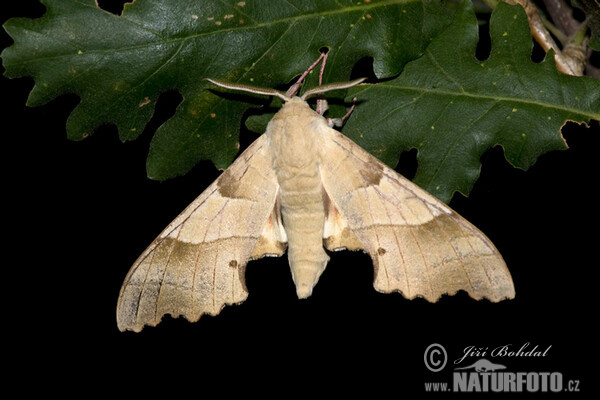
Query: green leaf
[(452, 107), (119, 65)]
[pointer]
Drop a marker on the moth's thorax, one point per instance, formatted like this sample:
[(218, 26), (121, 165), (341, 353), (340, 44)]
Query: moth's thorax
[(296, 134)]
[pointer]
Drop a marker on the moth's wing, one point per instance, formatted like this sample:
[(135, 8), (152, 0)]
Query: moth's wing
[(197, 264), (419, 246)]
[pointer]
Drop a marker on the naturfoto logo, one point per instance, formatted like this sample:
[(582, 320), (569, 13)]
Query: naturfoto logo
[(485, 375)]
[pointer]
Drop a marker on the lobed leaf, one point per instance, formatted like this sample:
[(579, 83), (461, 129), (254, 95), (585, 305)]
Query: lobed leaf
[(452, 107), (119, 65), (445, 103)]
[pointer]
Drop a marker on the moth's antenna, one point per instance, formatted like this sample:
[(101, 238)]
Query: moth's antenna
[(331, 86), (248, 88)]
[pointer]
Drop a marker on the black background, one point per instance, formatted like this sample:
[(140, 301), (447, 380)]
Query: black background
[(78, 214)]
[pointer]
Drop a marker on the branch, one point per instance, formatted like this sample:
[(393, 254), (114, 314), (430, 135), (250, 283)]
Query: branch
[(570, 63)]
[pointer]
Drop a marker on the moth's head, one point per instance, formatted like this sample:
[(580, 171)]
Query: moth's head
[(286, 96)]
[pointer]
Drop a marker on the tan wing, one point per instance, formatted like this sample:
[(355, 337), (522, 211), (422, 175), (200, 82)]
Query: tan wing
[(419, 246), (197, 264)]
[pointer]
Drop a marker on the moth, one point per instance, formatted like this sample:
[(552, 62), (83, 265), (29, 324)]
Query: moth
[(304, 187)]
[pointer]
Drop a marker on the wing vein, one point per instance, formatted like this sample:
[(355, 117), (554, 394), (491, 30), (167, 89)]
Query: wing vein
[(164, 273), (425, 263), (215, 263), (397, 241), (473, 249), (387, 276), (142, 288), (458, 256)]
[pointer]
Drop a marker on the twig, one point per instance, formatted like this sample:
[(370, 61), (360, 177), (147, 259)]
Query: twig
[(561, 14), (564, 63)]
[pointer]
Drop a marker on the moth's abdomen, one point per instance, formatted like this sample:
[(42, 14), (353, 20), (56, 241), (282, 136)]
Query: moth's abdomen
[(303, 216)]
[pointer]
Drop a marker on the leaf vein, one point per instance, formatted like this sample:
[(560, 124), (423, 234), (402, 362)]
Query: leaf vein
[(458, 138), (499, 99), (245, 27)]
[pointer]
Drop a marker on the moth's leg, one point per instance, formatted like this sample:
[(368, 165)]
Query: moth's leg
[(324, 56), (340, 121), (321, 102), (294, 88), (322, 105)]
